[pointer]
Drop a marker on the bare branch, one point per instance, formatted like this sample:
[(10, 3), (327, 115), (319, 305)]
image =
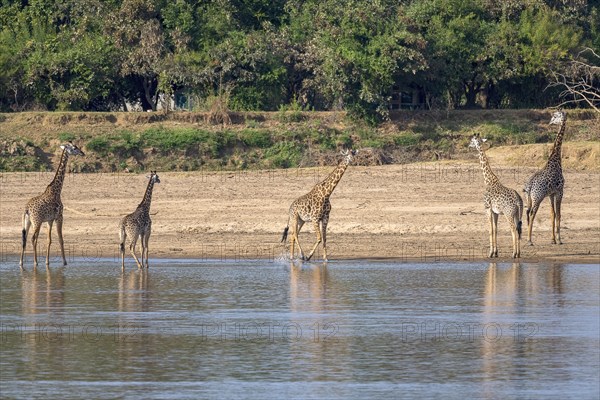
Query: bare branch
[(580, 80)]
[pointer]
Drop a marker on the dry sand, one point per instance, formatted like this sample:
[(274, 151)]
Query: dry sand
[(417, 212)]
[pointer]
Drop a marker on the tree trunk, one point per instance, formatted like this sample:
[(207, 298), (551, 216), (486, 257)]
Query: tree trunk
[(471, 90), (150, 103)]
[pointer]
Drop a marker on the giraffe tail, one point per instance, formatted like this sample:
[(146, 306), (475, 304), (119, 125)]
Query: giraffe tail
[(520, 217), (285, 234), (25, 226), (528, 199), (122, 238)]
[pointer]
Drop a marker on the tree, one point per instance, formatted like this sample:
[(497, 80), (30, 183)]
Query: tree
[(138, 34), (357, 50)]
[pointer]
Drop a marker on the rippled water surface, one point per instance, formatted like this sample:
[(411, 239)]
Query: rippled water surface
[(260, 329)]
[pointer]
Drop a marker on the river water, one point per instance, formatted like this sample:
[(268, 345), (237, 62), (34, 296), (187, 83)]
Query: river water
[(272, 330)]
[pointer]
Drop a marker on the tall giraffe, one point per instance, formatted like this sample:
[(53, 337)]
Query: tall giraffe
[(48, 207), (550, 182), (315, 207), (138, 225), (498, 199)]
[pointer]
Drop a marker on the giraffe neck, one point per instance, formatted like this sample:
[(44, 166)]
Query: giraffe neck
[(555, 156), (55, 187), (145, 204), (488, 176), (333, 178)]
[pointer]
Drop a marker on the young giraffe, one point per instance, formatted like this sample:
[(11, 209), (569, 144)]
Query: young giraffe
[(548, 182), (499, 199), (48, 207), (315, 207), (138, 225)]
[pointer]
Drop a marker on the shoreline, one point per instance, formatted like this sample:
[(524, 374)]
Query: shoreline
[(162, 261)]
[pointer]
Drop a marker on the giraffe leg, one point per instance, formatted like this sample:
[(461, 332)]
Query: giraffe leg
[(551, 198), (513, 231), (324, 222), (319, 240), (293, 238), (49, 243), (557, 204), (59, 226), (517, 221), (143, 250), (495, 222), (297, 226), (143, 246), (146, 240), (34, 240), (26, 226), (528, 199), (530, 217), (122, 237), (132, 248), (324, 236), (491, 221)]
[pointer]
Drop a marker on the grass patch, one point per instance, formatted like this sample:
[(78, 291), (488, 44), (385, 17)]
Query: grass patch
[(292, 112), (66, 137), (507, 133), (283, 155), (406, 139), (255, 138), (98, 145)]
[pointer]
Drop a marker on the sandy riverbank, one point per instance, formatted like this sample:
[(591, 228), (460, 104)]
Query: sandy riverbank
[(421, 212)]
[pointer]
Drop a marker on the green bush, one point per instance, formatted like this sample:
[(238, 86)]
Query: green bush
[(284, 155), (174, 139), (127, 144), (291, 112), (256, 138), (406, 139), (98, 145)]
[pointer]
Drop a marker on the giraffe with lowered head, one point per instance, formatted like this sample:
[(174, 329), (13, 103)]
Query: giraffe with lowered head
[(48, 207), (138, 225), (550, 182), (315, 207), (498, 199)]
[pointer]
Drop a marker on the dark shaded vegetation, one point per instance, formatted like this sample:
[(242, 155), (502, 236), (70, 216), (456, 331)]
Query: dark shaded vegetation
[(290, 56)]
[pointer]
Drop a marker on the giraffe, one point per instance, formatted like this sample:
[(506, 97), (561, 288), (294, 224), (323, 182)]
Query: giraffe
[(315, 207), (138, 225), (48, 207), (498, 199), (550, 182)]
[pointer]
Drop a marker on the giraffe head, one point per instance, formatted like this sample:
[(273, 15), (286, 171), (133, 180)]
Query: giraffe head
[(558, 117), (154, 177), (349, 155), (72, 149), (477, 141)]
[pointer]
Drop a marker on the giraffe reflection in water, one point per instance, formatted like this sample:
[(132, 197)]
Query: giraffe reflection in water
[(514, 291), (134, 294), (43, 308)]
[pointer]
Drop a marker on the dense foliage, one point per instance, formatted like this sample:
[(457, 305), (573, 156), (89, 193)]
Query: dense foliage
[(312, 54)]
